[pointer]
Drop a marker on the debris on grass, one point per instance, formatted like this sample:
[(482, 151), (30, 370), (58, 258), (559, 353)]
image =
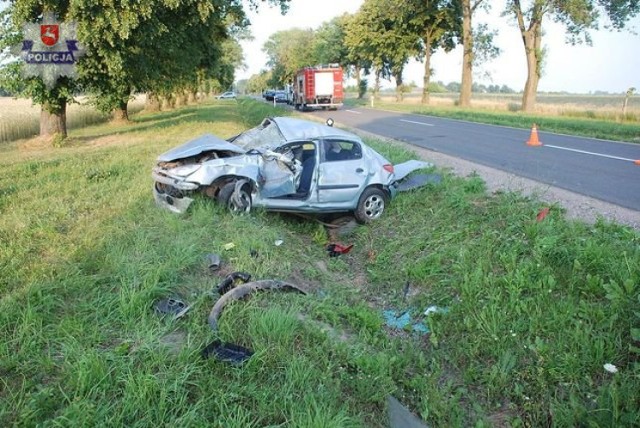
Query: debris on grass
[(400, 416), (542, 214), (227, 352), (337, 249), (435, 310), (418, 180), (171, 306), (231, 280), (243, 290), (610, 368), (402, 321), (278, 242), (213, 262), (229, 246)]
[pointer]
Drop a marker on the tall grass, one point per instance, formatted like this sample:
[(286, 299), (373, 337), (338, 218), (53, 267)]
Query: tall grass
[(535, 309)]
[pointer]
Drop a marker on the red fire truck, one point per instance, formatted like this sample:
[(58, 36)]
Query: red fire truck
[(318, 87)]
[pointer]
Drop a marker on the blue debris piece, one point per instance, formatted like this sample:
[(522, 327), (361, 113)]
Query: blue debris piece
[(400, 322)]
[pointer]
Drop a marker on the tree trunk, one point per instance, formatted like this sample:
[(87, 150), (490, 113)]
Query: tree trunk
[(53, 120), (467, 56), (427, 71), (399, 94), (192, 97), (121, 114), (167, 102), (532, 42), (180, 98), (152, 103), (376, 88), (358, 80)]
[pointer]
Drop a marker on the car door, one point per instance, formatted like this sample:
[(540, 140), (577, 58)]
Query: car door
[(342, 174), (282, 182)]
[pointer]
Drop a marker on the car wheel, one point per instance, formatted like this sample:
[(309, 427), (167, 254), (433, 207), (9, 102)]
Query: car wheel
[(240, 202), (370, 205)]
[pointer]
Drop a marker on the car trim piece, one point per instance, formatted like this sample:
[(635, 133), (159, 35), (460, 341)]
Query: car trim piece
[(338, 186)]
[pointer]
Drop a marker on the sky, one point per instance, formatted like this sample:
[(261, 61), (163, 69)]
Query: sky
[(612, 64)]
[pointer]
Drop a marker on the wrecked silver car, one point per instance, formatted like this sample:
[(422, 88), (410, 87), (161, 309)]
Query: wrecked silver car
[(284, 164)]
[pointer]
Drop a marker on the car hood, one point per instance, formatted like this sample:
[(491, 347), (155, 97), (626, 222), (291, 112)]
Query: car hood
[(203, 143)]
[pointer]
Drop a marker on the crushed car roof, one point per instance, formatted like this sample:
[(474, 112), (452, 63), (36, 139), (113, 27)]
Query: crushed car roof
[(298, 129)]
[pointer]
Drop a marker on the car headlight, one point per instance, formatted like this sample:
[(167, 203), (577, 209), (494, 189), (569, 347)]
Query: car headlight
[(185, 170)]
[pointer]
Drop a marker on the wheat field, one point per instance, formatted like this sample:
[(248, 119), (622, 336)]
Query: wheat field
[(20, 118)]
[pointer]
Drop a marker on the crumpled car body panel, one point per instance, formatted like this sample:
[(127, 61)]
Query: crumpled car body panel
[(272, 158)]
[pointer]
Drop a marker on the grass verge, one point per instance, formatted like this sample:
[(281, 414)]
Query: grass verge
[(609, 130), (533, 309)]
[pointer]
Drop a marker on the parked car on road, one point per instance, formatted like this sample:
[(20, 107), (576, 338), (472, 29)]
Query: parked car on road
[(226, 96), (280, 96), (269, 94), (284, 164)]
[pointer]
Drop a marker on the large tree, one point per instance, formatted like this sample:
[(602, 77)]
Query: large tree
[(378, 33), (160, 45), (578, 16), (436, 24), (288, 51)]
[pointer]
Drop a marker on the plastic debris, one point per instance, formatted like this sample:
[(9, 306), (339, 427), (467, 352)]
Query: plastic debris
[(171, 306), (400, 416), (213, 262), (542, 214), (418, 180), (336, 249), (229, 246), (610, 368), (227, 352), (435, 310), (278, 242), (231, 280), (402, 321)]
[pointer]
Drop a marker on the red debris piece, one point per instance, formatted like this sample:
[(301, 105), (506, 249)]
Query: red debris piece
[(542, 214), (336, 249)]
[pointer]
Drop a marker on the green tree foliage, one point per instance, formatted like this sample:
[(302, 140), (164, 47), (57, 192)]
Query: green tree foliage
[(436, 24), (383, 40), (329, 42), (146, 45), (287, 52), (578, 17)]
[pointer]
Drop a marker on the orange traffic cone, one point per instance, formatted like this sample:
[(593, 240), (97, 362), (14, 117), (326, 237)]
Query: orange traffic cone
[(533, 139)]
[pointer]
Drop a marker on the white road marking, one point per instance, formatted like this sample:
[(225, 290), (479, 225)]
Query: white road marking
[(353, 111), (417, 123), (589, 153)]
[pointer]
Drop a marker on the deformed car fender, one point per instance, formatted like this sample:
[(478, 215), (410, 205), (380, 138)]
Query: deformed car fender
[(242, 290)]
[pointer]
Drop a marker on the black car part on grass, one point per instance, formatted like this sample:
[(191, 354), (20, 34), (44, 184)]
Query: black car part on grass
[(242, 290), (230, 281), (213, 262), (230, 352), (171, 306), (227, 352)]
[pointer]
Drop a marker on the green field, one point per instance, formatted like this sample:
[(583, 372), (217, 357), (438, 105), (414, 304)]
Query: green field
[(532, 310)]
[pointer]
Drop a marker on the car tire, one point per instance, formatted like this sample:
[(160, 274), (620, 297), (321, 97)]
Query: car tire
[(371, 205), (226, 199)]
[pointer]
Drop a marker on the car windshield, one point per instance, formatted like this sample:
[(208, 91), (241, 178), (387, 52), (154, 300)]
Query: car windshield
[(266, 135)]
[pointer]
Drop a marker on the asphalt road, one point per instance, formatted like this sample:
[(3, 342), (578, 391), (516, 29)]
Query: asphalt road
[(597, 168)]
